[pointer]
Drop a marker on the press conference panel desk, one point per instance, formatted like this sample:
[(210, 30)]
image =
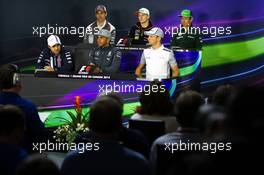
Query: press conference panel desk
[(54, 93), (56, 90)]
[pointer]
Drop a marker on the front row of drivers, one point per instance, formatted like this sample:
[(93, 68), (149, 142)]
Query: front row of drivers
[(106, 58)]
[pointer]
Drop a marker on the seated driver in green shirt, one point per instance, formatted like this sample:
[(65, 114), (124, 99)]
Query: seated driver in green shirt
[(187, 37)]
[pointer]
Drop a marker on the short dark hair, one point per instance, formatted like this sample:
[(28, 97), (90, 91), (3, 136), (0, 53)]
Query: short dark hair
[(186, 107), (155, 102), (117, 97), (11, 119), (6, 75), (38, 164), (105, 115), (223, 95)]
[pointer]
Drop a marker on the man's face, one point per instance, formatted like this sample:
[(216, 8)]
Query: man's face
[(153, 40), (102, 41), (186, 21), (142, 18), (100, 16), (55, 49)]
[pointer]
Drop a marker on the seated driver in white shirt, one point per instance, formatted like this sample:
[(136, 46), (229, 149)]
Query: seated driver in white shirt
[(157, 59)]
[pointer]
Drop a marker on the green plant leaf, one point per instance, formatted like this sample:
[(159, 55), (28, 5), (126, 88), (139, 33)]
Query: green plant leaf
[(85, 117), (74, 119), (63, 119)]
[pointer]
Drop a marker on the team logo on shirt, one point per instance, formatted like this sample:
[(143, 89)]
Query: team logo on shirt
[(118, 54), (191, 37), (108, 58), (137, 33), (97, 53), (109, 54)]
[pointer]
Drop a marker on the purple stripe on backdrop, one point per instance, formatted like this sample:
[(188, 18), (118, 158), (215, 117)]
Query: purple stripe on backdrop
[(91, 90)]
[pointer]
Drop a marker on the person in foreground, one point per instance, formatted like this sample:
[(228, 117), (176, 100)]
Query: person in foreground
[(10, 87), (108, 156)]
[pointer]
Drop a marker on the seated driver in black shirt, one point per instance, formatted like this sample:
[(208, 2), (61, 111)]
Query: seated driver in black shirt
[(104, 58), (55, 58), (136, 34)]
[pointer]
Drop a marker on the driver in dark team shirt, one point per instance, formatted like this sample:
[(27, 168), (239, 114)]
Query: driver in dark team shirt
[(55, 58), (187, 37), (136, 34)]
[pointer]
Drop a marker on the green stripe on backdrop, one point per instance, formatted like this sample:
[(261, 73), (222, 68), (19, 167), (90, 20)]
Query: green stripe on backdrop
[(218, 54)]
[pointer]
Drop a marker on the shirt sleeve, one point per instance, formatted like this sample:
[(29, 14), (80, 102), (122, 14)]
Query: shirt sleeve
[(91, 57), (114, 68), (174, 40), (198, 42), (88, 31), (40, 61), (113, 37), (143, 59), (131, 34), (172, 60), (43, 60), (68, 66)]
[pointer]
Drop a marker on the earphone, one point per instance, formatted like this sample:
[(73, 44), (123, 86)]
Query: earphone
[(16, 76), (16, 79), (9, 76)]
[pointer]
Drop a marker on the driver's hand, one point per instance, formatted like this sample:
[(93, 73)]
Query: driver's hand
[(49, 68), (97, 70)]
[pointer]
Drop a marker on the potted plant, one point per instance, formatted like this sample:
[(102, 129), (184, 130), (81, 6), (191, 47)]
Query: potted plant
[(78, 123)]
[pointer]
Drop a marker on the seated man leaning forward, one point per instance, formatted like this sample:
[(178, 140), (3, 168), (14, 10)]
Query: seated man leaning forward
[(104, 58), (55, 58), (157, 59)]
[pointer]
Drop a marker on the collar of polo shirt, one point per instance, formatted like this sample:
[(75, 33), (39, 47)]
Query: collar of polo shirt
[(160, 48)]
